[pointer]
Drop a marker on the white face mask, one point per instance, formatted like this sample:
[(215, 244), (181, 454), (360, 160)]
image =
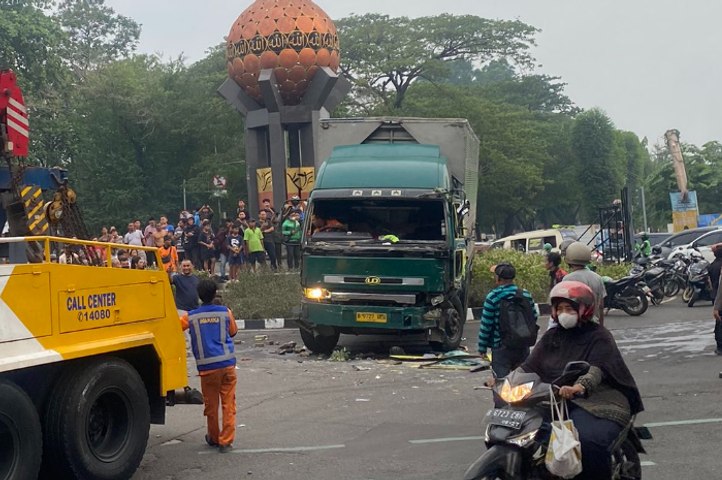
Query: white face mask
[(568, 320)]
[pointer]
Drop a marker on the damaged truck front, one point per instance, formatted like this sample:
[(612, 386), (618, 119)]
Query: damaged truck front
[(388, 234)]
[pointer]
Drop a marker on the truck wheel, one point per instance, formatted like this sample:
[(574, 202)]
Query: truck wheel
[(453, 331), (319, 343), (97, 421), (21, 438)]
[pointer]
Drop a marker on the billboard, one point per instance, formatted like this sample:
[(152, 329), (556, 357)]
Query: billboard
[(684, 211)]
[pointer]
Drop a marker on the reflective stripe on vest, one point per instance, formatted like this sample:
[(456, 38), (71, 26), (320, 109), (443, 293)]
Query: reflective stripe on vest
[(195, 323)]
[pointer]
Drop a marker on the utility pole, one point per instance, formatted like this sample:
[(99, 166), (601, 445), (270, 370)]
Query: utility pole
[(644, 211), (185, 202)]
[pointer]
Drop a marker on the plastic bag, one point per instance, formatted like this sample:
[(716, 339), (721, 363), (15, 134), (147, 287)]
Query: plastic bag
[(564, 455)]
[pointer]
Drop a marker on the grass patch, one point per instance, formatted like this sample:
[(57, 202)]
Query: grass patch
[(264, 295)]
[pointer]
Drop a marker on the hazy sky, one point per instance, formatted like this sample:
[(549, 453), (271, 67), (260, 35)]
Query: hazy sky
[(650, 64)]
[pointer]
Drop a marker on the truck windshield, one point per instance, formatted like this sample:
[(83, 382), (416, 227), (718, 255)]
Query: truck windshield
[(408, 220)]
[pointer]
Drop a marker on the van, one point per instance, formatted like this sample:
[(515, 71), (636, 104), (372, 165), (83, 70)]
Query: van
[(530, 242)]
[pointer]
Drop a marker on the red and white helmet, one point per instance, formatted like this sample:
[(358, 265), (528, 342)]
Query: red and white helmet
[(576, 292)]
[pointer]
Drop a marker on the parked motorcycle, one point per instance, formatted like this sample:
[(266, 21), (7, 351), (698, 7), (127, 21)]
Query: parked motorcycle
[(517, 434), (699, 285), (628, 294)]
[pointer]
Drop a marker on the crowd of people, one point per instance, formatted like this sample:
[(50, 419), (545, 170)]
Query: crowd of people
[(222, 247)]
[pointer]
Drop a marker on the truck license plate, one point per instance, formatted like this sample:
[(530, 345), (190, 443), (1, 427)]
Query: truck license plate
[(506, 418), (371, 317)]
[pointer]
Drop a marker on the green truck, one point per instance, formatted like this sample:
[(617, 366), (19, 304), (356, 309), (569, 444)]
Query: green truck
[(388, 232)]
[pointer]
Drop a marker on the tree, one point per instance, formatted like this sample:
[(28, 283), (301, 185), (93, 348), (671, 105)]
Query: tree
[(601, 171), (97, 35), (384, 56)]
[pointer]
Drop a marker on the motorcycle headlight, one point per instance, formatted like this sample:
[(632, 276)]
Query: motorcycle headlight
[(515, 394), (523, 440)]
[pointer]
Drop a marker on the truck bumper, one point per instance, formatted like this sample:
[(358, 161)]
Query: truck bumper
[(365, 318)]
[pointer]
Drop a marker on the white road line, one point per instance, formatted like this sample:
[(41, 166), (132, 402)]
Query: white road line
[(700, 421), (445, 439), (647, 464), (280, 449)]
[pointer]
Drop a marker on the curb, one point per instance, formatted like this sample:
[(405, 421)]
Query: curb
[(287, 323), (267, 324)]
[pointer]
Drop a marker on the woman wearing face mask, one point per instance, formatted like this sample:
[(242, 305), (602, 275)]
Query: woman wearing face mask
[(602, 401)]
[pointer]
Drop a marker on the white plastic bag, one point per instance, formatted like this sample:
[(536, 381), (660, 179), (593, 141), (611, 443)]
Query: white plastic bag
[(564, 455)]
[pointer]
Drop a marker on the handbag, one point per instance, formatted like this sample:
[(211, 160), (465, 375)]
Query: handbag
[(564, 454)]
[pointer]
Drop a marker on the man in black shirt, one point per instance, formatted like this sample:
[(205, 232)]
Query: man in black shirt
[(186, 287), (191, 234)]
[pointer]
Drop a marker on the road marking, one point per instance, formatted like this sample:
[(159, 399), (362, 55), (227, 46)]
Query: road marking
[(445, 439), (647, 464), (684, 422), (281, 449)]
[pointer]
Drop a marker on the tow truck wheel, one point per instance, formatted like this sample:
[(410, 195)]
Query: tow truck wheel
[(21, 438), (323, 344), (97, 421)]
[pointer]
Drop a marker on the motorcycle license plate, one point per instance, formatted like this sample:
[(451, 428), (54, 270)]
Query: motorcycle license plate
[(506, 418)]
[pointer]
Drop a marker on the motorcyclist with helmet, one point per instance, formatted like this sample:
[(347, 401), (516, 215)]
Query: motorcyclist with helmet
[(578, 256), (601, 402)]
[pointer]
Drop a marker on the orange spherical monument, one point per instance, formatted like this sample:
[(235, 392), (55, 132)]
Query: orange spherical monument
[(292, 37)]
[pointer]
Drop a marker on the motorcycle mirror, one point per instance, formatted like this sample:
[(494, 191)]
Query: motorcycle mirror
[(657, 250), (572, 371)]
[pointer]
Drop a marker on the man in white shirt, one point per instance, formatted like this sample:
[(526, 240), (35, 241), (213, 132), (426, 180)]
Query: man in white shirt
[(134, 237)]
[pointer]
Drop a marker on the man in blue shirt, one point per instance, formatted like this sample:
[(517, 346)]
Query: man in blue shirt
[(504, 358), (212, 328), (186, 287)]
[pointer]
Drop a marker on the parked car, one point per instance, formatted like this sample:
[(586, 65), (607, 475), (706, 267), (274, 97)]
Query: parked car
[(703, 245), (683, 238), (530, 242)]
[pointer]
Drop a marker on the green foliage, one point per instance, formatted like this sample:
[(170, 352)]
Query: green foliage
[(614, 270), (530, 274), (601, 168), (96, 34), (264, 295), (422, 48)]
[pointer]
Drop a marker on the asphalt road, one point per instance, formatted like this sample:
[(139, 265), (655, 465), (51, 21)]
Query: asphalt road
[(372, 419)]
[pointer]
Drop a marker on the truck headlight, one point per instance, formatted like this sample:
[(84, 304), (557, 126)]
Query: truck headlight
[(437, 300), (316, 293)]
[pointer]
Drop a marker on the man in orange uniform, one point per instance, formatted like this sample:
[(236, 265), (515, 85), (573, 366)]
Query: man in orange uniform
[(211, 330)]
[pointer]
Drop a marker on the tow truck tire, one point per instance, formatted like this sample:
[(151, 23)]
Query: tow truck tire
[(323, 344), (97, 421), (21, 438)]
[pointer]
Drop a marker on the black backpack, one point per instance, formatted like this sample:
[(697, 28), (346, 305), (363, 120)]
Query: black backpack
[(517, 324)]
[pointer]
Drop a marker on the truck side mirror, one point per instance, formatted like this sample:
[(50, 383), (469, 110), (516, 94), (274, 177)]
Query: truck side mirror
[(463, 209)]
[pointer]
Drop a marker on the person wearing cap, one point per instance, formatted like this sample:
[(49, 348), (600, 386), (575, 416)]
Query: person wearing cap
[(578, 255), (504, 358)]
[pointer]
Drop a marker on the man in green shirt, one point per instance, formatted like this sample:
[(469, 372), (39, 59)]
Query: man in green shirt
[(253, 242), (292, 239)]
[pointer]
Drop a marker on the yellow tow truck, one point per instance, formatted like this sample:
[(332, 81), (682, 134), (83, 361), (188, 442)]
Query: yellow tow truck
[(88, 355)]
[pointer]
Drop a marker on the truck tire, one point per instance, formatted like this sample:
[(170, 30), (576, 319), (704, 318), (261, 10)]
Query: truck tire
[(453, 330), (21, 438), (97, 421), (323, 344)]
